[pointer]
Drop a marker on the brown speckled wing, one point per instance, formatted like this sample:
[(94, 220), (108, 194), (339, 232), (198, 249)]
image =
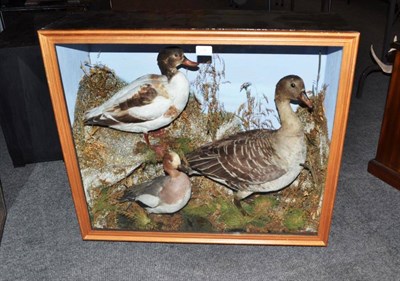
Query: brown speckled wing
[(143, 96), (243, 159)]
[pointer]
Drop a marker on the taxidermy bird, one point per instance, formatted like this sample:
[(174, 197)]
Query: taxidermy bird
[(259, 160), (164, 194), (150, 102)]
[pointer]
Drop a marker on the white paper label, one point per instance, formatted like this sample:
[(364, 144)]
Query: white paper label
[(204, 50)]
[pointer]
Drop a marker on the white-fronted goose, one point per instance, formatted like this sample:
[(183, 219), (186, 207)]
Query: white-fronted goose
[(259, 160)]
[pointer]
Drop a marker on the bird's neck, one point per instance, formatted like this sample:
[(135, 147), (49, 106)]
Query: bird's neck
[(178, 88), (167, 71), (172, 172), (290, 122), (169, 168)]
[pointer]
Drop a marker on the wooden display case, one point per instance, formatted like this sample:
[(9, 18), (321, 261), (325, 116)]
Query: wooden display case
[(247, 60)]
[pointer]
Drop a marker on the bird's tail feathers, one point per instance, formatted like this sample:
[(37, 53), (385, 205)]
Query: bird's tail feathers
[(127, 197), (185, 168), (98, 121)]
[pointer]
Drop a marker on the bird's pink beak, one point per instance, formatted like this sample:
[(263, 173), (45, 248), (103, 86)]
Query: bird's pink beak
[(189, 63), (305, 100)]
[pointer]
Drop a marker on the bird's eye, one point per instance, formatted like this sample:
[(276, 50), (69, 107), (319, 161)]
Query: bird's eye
[(176, 55), (293, 85)]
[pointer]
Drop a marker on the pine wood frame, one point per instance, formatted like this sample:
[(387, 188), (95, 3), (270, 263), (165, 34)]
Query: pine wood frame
[(347, 40)]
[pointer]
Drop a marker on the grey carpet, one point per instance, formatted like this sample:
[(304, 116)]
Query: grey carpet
[(41, 240)]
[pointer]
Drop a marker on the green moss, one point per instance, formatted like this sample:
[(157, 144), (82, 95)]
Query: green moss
[(263, 203), (224, 214), (203, 210), (196, 224), (142, 221), (102, 204), (196, 217), (294, 219), (135, 220), (231, 216), (182, 145), (150, 157), (219, 212), (261, 221), (249, 208)]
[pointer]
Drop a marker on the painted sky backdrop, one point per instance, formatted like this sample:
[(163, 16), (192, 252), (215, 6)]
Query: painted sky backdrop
[(262, 70)]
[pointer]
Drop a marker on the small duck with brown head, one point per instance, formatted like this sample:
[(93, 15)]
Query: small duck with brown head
[(164, 194)]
